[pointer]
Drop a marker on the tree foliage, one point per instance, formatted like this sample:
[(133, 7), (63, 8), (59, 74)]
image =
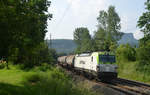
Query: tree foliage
[(23, 26), (144, 20), (144, 24), (83, 40), (143, 54), (108, 32), (126, 53)]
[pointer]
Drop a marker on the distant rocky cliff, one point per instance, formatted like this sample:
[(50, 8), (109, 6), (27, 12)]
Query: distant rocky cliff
[(128, 38), (67, 45)]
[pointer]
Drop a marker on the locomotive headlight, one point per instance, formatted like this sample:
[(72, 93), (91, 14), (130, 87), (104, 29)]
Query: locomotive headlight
[(116, 67), (97, 68)]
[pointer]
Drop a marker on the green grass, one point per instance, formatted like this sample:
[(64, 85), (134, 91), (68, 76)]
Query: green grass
[(12, 75), (36, 82), (128, 70)]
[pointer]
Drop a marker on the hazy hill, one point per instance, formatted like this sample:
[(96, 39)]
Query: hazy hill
[(67, 45), (63, 45), (128, 38)]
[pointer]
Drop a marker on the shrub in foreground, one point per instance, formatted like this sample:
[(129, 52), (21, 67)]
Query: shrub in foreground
[(52, 83), (126, 53)]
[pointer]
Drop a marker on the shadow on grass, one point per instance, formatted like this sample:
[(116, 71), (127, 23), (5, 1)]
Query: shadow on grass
[(8, 89), (52, 88), (28, 89), (38, 89)]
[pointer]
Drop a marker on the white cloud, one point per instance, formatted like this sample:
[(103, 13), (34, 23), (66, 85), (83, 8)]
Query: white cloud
[(124, 21), (85, 12), (138, 35), (85, 8), (128, 23)]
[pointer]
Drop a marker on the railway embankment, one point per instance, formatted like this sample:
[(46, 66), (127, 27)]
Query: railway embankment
[(93, 85), (115, 87), (132, 71)]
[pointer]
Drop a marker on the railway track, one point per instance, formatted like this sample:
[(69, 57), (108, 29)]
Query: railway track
[(131, 87), (127, 87)]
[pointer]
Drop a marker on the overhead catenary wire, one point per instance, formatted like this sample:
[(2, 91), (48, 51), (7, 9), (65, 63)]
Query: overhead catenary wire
[(63, 16), (67, 9)]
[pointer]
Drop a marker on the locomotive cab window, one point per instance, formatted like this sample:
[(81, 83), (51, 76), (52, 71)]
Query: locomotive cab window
[(107, 59), (92, 59)]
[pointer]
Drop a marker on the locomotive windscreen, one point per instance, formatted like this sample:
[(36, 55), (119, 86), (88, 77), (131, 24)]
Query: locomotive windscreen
[(107, 59)]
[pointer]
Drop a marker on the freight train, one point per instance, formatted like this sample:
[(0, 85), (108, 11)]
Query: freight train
[(101, 65)]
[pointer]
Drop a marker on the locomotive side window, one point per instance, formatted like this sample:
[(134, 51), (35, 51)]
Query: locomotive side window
[(82, 62), (107, 58), (92, 59)]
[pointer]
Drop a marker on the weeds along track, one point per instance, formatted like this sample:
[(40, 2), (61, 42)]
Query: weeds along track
[(127, 87)]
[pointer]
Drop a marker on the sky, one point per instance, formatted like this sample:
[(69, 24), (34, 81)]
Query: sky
[(71, 14)]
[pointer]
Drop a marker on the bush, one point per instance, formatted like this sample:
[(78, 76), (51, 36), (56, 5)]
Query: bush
[(44, 67), (143, 68), (52, 83), (33, 78), (125, 53), (2, 65), (143, 54), (143, 58), (34, 56)]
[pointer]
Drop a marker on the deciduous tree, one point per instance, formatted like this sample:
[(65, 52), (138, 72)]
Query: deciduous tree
[(83, 40), (144, 24), (23, 26), (108, 32)]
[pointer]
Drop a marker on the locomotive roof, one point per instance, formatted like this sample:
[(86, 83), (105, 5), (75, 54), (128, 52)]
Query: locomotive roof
[(100, 52)]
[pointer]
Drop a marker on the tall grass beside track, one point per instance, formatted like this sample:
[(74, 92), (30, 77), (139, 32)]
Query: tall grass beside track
[(38, 81), (132, 71)]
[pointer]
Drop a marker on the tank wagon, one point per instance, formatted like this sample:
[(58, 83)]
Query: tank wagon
[(70, 61), (62, 60), (100, 65)]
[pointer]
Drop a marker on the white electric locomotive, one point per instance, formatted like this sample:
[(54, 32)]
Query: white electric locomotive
[(97, 64)]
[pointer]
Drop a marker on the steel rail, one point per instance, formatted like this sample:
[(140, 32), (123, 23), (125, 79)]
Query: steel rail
[(131, 85), (134, 82)]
